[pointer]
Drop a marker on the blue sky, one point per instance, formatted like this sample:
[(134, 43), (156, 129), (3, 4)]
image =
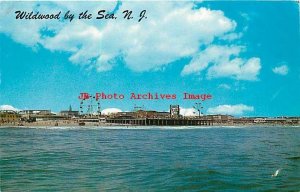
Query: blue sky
[(246, 54)]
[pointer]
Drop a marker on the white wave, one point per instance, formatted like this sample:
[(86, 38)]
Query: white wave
[(276, 173)]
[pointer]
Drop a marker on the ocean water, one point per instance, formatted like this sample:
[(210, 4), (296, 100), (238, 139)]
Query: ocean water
[(150, 159)]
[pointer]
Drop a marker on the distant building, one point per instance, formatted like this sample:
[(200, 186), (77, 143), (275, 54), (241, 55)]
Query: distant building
[(37, 115), (259, 120), (9, 116), (174, 111), (220, 118), (69, 113), (35, 112), (281, 120), (140, 114), (150, 114), (162, 114)]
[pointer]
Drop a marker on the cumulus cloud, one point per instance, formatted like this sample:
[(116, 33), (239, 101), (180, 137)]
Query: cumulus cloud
[(8, 107), (239, 109), (224, 61), (188, 112), (232, 36), (110, 111), (173, 30), (281, 70), (144, 46)]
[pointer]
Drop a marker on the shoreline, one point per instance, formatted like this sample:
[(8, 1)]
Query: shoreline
[(107, 125)]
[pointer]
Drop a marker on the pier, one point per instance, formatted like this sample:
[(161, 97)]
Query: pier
[(161, 122)]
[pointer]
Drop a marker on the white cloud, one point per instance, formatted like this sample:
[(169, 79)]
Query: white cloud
[(223, 61), (232, 36), (148, 45), (172, 30), (8, 107), (188, 112), (281, 70), (245, 16), (109, 111), (239, 109), (224, 86)]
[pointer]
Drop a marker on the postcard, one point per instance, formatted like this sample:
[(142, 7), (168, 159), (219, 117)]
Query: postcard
[(149, 95)]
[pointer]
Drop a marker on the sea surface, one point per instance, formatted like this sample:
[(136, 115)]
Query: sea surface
[(150, 159)]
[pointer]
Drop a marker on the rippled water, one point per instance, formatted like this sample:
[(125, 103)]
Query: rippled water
[(151, 159)]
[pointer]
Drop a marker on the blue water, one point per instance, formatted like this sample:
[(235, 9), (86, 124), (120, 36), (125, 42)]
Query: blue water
[(151, 159)]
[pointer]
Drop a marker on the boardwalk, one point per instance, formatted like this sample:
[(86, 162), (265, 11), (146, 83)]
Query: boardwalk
[(161, 122)]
